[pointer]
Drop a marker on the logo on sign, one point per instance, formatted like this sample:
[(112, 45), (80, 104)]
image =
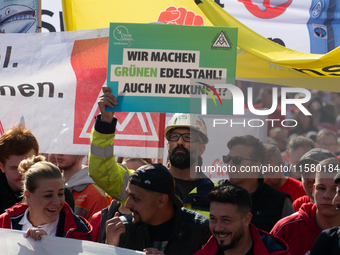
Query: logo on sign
[(268, 9), (204, 99), (320, 31), (221, 41), (317, 9), (121, 33)]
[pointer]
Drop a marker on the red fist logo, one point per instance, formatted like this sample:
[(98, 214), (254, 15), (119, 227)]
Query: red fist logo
[(180, 16)]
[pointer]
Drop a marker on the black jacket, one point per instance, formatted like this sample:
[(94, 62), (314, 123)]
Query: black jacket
[(8, 197), (190, 233), (267, 206), (328, 242)]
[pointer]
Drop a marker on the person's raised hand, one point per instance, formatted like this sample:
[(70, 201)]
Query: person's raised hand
[(107, 99)]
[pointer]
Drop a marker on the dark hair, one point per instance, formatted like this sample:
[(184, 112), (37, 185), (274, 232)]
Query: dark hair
[(232, 193), (249, 140), (17, 140)]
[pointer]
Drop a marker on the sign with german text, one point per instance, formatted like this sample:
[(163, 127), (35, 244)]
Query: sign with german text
[(171, 68)]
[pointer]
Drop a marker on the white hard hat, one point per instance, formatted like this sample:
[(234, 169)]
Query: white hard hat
[(185, 120)]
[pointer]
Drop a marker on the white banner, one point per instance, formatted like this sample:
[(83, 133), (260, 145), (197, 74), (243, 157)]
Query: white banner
[(52, 16), (14, 242), (310, 26), (51, 83)]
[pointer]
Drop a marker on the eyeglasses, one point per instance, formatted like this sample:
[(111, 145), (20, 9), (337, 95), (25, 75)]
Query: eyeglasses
[(236, 160), (187, 137)]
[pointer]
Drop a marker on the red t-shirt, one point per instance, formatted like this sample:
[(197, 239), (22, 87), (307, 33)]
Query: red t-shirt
[(294, 188)]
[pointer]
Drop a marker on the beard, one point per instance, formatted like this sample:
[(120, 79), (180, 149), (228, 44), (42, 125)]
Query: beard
[(134, 220), (235, 238), (181, 160)]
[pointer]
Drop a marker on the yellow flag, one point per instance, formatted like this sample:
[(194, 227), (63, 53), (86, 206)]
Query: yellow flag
[(260, 59), (89, 14)]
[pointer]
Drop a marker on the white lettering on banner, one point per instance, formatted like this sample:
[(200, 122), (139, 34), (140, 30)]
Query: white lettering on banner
[(122, 125)]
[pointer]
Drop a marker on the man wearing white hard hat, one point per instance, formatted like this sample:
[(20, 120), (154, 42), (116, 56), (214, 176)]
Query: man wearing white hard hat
[(187, 137)]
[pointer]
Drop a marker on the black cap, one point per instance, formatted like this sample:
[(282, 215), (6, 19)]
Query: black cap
[(315, 155), (157, 178)]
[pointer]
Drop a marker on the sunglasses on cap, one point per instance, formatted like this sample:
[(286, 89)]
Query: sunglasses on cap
[(187, 137), (236, 160)]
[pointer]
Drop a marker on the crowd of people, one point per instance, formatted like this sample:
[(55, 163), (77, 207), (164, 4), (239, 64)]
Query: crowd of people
[(174, 209)]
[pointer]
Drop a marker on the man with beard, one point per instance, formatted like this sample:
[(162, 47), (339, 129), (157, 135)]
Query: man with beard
[(158, 223), (88, 197), (187, 137), (232, 232)]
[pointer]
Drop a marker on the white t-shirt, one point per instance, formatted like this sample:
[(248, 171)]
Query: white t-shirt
[(49, 228)]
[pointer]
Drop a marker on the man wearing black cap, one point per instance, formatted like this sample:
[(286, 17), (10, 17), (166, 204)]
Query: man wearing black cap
[(158, 222), (307, 163)]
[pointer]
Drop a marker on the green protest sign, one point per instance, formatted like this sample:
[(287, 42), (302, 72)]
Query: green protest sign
[(171, 68)]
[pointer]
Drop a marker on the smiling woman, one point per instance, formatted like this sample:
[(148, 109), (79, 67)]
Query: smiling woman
[(43, 210)]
